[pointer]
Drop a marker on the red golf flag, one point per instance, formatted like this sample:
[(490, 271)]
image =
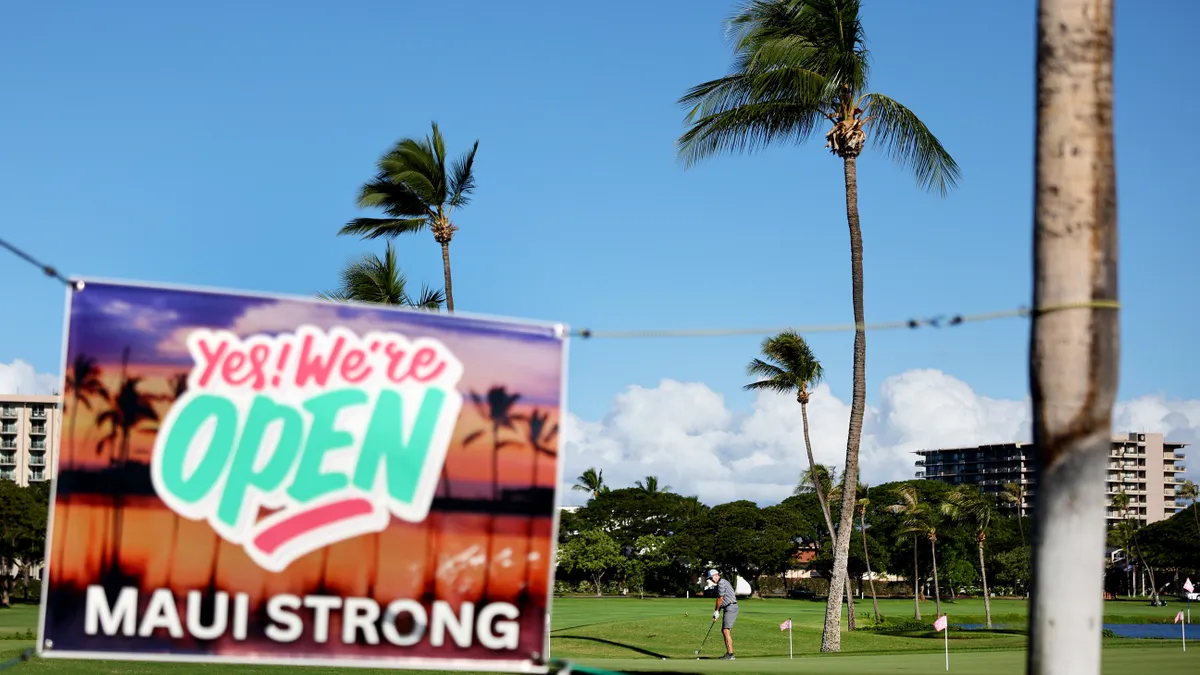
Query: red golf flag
[(941, 623), (1179, 617), (786, 625)]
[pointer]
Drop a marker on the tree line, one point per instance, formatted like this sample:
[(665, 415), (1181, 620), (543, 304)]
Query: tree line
[(950, 540)]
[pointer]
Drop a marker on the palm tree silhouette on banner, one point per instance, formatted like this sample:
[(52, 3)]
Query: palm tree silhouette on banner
[(497, 408), (127, 410), (540, 437), (84, 384)]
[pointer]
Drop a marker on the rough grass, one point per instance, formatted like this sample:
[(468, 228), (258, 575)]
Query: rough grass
[(632, 635)]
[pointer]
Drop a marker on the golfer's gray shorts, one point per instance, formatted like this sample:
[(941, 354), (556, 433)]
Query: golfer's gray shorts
[(729, 616)]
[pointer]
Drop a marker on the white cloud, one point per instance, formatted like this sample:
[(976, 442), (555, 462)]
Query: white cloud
[(144, 319), (686, 435), (20, 377)]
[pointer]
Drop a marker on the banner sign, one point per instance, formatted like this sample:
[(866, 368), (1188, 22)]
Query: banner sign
[(254, 479)]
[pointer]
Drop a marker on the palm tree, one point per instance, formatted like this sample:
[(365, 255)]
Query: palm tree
[(918, 520), (127, 410), (800, 63), (591, 481), (819, 478), (1125, 533), (968, 505), (863, 504), (179, 387), (1015, 493), (651, 486), (541, 435), (417, 190), (496, 406), (83, 381), (789, 367), (1187, 490), (379, 280)]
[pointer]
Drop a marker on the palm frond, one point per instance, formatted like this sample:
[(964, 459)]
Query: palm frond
[(748, 129), (379, 280), (431, 298), (374, 228), (765, 370), (396, 198), (908, 142), (777, 386), (416, 181), (462, 178)]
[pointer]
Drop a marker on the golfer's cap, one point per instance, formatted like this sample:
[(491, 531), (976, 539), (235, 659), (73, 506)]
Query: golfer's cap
[(712, 573)]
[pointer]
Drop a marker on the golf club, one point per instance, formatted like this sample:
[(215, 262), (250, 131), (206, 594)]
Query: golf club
[(705, 637)]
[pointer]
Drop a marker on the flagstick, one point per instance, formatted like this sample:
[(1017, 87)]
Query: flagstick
[(1183, 632), (947, 645), (789, 638)]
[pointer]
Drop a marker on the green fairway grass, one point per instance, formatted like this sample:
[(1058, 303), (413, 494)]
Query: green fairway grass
[(633, 635)]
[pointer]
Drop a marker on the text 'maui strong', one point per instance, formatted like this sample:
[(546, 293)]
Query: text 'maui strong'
[(364, 621)]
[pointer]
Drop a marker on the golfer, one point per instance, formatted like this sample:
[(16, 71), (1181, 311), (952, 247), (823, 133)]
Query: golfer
[(727, 601)]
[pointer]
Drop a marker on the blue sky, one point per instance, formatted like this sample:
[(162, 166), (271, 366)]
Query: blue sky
[(221, 143)]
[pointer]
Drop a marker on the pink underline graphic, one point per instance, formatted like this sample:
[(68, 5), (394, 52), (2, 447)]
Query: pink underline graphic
[(269, 540)]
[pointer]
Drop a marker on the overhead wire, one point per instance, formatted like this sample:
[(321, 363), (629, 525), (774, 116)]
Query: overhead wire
[(938, 321)]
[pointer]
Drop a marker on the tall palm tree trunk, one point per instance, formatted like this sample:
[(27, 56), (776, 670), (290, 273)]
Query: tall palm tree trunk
[(916, 579), (987, 601), (937, 591), (446, 272), (1149, 571), (862, 518), (821, 497), (1074, 353), (831, 639), (812, 470)]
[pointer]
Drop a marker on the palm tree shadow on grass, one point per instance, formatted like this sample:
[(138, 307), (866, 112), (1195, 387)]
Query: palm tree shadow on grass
[(612, 643)]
